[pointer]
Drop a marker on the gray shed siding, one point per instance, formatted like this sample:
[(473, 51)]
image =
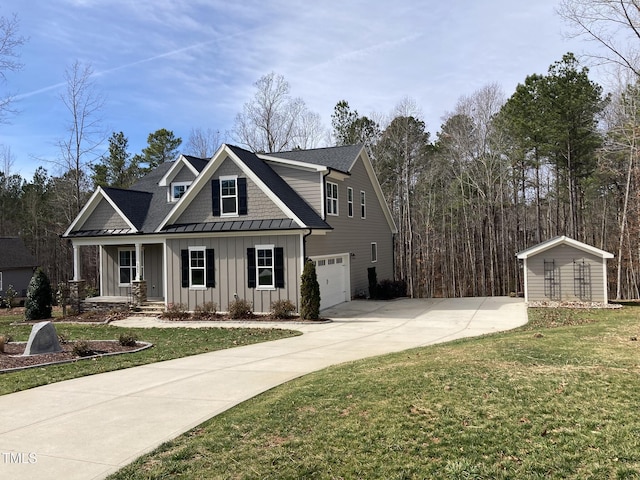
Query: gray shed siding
[(307, 184), (104, 217), (355, 235), (19, 278), (259, 206), (565, 282), (230, 255), (152, 270)]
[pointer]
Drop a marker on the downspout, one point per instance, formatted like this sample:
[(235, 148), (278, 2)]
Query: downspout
[(304, 247)]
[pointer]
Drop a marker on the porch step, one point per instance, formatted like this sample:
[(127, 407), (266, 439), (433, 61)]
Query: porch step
[(150, 309)]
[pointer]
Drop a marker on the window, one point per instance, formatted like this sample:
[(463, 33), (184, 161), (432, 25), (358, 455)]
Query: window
[(264, 264), (197, 267), (374, 252), (265, 267), (363, 205), (332, 198), (178, 189), (229, 195), (126, 267), (350, 200)]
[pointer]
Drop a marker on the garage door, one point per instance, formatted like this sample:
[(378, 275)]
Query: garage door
[(333, 277)]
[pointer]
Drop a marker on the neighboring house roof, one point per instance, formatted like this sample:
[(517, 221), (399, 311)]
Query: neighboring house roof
[(336, 158), (562, 240), (14, 254)]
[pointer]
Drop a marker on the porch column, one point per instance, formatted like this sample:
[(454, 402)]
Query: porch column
[(76, 263), (138, 285), (138, 262)]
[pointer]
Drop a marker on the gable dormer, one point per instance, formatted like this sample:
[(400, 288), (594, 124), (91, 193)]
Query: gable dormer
[(179, 178)]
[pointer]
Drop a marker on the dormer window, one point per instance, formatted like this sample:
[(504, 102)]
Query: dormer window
[(229, 195), (177, 190)]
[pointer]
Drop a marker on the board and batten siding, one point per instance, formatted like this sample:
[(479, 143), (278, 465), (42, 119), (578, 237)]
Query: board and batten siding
[(259, 206), (104, 217), (110, 275), (305, 183), (354, 235), (564, 256), (230, 254)]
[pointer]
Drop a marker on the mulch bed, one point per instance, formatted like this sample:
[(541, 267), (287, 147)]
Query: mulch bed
[(551, 304)]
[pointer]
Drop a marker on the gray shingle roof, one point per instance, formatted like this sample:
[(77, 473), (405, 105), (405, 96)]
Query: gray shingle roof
[(337, 158), (197, 162), (14, 254), (133, 203)]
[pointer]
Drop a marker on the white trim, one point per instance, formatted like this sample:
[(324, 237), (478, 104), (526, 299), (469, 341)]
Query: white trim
[(374, 244), (76, 263), (350, 202), (203, 249), (165, 275), (334, 189), (173, 171), (226, 178), (604, 283), (273, 267), (526, 281), (91, 205), (563, 240), (293, 163), (100, 269), (171, 197), (131, 266)]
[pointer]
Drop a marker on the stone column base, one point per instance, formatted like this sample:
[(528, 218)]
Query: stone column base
[(77, 293), (139, 291)]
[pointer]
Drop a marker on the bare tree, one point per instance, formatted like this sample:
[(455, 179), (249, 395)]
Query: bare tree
[(203, 143), (10, 41), (614, 24)]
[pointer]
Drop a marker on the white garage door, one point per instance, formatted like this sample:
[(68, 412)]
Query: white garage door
[(333, 277)]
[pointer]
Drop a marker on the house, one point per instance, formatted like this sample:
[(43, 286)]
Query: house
[(240, 225), (16, 265), (563, 269)]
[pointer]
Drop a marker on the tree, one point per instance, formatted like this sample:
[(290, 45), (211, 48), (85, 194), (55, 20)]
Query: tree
[(614, 24), (117, 169), (10, 42), (273, 120), (309, 292), (39, 301), (349, 128), (162, 147), (203, 143)]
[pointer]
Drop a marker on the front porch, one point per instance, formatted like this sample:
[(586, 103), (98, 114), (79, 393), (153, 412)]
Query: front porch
[(152, 306)]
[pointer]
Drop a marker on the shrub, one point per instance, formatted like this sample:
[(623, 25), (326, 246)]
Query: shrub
[(39, 297), (9, 296), (282, 309), (206, 311), (82, 349), (309, 293), (127, 339), (373, 282), (176, 311), (240, 309), (62, 338), (388, 289), (63, 295)]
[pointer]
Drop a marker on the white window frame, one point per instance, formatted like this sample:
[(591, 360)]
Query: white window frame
[(363, 204), (332, 201), (194, 286), (374, 252), (1, 289), (350, 202), (228, 178), (172, 197), (270, 248), (131, 267)]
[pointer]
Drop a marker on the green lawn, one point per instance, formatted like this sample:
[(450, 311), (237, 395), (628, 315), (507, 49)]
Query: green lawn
[(558, 398), (168, 343)]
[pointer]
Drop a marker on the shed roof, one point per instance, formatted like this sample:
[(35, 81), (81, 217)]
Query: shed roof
[(14, 254), (562, 240)]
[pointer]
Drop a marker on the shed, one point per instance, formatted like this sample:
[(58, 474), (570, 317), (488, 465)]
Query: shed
[(16, 265), (563, 269)]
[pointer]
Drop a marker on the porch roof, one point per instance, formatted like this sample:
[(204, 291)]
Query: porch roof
[(234, 226)]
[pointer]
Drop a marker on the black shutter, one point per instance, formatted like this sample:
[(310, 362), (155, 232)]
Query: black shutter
[(215, 197), (242, 196), (211, 268), (251, 267), (279, 266), (184, 254)]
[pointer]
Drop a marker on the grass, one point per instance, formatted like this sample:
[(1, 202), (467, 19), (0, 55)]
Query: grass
[(558, 398), (168, 343)]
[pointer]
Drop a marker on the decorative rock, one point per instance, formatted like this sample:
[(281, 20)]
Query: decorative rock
[(43, 339)]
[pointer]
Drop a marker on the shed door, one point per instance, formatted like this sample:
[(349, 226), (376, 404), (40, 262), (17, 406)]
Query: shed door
[(333, 274)]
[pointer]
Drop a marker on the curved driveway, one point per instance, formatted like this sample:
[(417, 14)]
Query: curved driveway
[(89, 427)]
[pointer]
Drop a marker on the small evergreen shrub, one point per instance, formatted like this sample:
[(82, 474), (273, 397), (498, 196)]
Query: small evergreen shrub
[(388, 289), (240, 309), (309, 293), (372, 276), (39, 297), (176, 311), (9, 297), (282, 309), (206, 311), (128, 339), (82, 349)]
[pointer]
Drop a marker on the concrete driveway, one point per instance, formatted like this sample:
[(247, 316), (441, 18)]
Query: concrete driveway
[(89, 427)]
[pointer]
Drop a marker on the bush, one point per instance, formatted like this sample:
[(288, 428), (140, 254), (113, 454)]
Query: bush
[(82, 349), (372, 276), (309, 293), (240, 309), (282, 309), (9, 296), (128, 339), (206, 311), (176, 311), (388, 289), (39, 297)]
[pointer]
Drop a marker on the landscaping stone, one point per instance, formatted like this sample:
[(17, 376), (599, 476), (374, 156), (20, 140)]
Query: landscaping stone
[(43, 339)]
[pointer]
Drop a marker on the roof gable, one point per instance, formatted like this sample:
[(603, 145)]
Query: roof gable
[(194, 164), (562, 240), (14, 254)]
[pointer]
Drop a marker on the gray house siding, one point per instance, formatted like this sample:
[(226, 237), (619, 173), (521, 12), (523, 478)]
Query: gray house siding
[(19, 278), (259, 206), (307, 184), (184, 175), (104, 217), (571, 274), (230, 254), (152, 270), (355, 234)]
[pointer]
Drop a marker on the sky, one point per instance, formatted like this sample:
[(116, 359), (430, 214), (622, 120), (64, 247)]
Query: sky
[(185, 64)]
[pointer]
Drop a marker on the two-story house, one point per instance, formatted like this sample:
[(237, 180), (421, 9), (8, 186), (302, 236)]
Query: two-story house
[(240, 225)]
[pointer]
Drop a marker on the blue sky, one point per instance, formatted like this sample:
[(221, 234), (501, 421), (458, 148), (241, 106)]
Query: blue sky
[(192, 64)]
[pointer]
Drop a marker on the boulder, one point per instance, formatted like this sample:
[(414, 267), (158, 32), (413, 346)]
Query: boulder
[(43, 339)]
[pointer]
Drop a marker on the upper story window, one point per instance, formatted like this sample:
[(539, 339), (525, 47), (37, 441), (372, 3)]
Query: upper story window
[(350, 201), (229, 195), (332, 198), (177, 190), (363, 204)]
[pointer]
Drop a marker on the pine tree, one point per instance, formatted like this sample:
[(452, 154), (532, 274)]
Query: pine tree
[(309, 293), (39, 297)]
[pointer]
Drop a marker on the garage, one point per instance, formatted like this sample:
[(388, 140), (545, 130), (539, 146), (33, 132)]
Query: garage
[(333, 277)]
